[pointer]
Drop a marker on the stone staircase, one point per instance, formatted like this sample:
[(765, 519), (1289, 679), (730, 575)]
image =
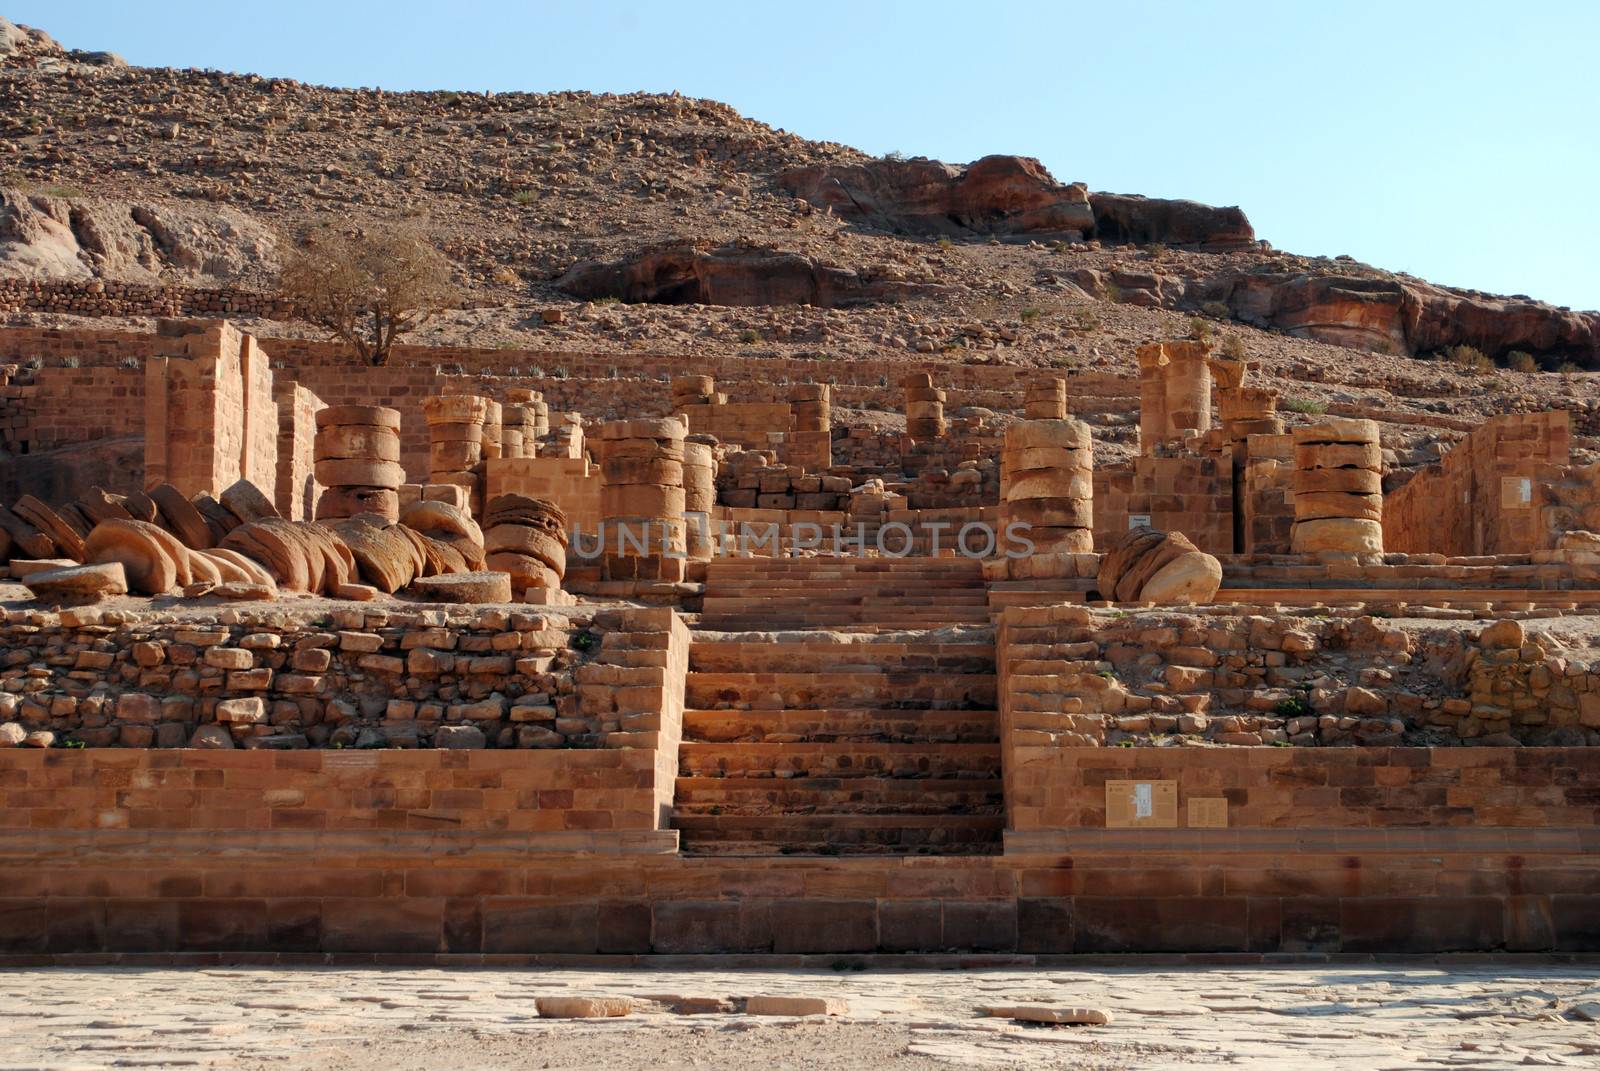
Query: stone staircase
[(867, 594), (860, 718)]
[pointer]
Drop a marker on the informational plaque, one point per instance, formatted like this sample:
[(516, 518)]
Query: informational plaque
[(1516, 492), (1208, 812), (1141, 804)]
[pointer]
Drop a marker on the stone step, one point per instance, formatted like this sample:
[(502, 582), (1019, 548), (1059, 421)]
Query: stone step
[(843, 689), (841, 834), (755, 796), (794, 617), (838, 760), (803, 656), (910, 563), (821, 591), (825, 726), (885, 628)]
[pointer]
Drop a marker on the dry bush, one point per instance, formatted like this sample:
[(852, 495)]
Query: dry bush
[(367, 289)]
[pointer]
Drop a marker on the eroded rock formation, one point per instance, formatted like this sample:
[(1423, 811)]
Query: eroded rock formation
[(52, 237), (1122, 217), (1004, 195), (689, 274)]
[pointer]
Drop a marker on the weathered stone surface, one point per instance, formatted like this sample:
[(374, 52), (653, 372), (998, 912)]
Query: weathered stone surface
[(682, 273), (459, 737), (153, 560), (1005, 195), (773, 1005), (1121, 217), (583, 1007), (246, 502), (182, 517), (1147, 565), (1039, 1013), (1348, 535), (482, 587), (214, 737), (80, 583), (1193, 577)]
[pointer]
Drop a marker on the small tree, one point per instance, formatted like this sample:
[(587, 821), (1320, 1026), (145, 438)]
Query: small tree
[(367, 289)]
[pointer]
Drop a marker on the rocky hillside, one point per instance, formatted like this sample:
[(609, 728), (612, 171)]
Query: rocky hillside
[(713, 231)]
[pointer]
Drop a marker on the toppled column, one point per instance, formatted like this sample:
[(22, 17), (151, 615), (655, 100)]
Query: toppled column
[(811, 442), (1045, 400), (1338, 488), (455, 441), (699, 496), (924, 407), (357, 452), (1047, 484), (1174, 392), (642, 499)]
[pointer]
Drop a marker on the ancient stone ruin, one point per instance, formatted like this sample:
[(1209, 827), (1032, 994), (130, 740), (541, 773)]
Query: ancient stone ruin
[(673, 656)]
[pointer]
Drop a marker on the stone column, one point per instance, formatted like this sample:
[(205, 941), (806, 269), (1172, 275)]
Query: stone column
[(519, 433), (699, 496), (642, 499), (924, 407), (811, 443), (455, 441), (526, 538), (1174, 392), (493, 417), (1047, 483), (534, 402), (693, 390), (1045, 400), (1338, 488), (357, 452)]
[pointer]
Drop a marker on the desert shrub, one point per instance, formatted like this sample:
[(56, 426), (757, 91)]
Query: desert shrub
[(367, 289), (1567, 368), (1469, 359), (1293, 707), (749, 335), (1217, 310), (1307, 406), (1233, 348), (1199, 328), (1031, 313), (1521, 361)]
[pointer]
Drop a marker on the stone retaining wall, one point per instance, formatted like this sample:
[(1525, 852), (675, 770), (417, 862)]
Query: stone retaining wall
[(276, 678)]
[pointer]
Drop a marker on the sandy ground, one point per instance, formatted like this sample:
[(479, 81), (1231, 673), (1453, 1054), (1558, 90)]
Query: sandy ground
[(1358, 1017)]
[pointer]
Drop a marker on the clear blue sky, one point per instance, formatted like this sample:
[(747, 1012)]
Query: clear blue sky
[(1459, 141)]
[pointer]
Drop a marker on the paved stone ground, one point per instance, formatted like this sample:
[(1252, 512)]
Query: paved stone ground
[(1370, 1018)]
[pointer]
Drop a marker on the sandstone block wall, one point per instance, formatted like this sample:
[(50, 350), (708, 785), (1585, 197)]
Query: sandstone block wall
[(1064, 789), (571, 483), (1490, 493), (428, 790), (297, 489), (209, 415), (1188, 493)]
